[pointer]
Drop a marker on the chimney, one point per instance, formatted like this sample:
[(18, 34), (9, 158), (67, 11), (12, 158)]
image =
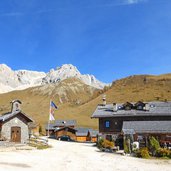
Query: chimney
[(104, 100), (147, 107), (115, 107), (16, 106)]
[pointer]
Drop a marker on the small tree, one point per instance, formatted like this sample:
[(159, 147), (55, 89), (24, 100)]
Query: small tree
[(127, 143), (40, 129), (99, 143), (153, 145)]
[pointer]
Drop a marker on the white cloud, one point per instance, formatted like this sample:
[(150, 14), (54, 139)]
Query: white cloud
[(124, 2), (134, 1)]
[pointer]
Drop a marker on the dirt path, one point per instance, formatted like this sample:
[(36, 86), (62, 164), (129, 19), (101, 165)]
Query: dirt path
[(66, 156)]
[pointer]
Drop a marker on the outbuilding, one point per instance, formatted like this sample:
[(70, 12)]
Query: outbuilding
[(14, 124)]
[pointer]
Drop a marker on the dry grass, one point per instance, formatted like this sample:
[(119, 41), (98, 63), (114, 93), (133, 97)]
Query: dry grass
[(134, 88)]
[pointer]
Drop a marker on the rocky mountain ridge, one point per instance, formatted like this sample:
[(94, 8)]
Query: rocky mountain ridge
[(21, 79)]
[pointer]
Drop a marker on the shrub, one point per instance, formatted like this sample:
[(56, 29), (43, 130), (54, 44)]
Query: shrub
[(126, 148), (143, 153), (127, 143), (163, 152), (107, 144), (103, 143), (153, 145), (99, 143), (40, 129)]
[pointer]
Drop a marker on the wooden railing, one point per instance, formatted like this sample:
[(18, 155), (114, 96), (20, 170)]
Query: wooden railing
[(38, 141)]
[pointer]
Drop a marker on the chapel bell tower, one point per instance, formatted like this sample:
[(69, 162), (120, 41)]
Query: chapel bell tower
[(16, 106)]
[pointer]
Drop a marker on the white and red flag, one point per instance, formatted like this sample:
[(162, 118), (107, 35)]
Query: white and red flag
[(51, 111)]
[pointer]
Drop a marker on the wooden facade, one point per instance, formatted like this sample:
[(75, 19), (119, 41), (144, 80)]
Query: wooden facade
[(66, 131), (68, 128), (116, 123), (112, 117)]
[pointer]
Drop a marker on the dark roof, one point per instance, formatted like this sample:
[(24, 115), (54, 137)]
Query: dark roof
[(9, 115), (16, 101), (59, 129), (94, 133), (155, 109), (131, 127), (65, 123), (50, 127), (59, 123), (84, 132)]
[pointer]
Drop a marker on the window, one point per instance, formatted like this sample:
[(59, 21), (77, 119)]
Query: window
[(107, 124), (139, 107)]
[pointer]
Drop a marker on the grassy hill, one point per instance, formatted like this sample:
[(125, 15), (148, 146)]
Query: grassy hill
[(68, 96), (78, 101)]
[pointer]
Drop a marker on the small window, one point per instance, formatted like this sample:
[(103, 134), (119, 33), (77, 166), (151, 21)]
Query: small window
[(107, 124), (139, 107)]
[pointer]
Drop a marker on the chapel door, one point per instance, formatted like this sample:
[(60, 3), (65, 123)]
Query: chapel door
[(15, 134)]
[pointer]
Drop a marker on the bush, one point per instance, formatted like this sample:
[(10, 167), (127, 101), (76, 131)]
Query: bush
[(40, 129), (107, 144), (153, 145), (127, 143), (163, 152), (143, 153), (103, 143), (126, 148), (99, 143)]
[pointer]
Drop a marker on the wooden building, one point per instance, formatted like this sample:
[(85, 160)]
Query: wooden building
[(115, 118), (69, 131), (86, 135), (14, 124), (68, 127), (53, 127)]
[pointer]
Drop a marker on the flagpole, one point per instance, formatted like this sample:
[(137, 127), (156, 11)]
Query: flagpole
[(49, 117)]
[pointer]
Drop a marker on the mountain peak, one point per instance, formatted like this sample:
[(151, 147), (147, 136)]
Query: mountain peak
[(70, 71), (4, 67), (22, 79)]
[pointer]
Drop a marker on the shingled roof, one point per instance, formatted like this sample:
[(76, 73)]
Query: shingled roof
[(9, 115), (59, 123), (84, 132), (132, 127), (155, 109)]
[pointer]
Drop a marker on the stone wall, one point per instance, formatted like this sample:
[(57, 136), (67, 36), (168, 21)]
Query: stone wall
[(6, 129)]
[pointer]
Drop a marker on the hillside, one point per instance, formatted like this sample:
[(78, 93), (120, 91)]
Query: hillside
[(140, 87), (78, 101), (67, 95)]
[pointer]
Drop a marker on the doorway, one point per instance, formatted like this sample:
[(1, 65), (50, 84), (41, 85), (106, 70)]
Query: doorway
[(16, 134)]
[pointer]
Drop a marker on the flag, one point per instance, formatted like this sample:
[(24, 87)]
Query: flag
[(51, 111), (52, 104)]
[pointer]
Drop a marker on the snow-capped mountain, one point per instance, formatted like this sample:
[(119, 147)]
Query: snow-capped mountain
[(18, 80), (69, 71)]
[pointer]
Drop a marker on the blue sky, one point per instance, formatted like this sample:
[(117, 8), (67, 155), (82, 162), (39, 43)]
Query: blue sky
[(110, 39)]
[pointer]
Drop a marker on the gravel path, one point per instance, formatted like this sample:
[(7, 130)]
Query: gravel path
[(70, 156)]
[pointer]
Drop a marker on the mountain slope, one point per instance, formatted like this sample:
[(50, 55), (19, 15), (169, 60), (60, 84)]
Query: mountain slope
[(140, 87), (68, 95), (81, 104)]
